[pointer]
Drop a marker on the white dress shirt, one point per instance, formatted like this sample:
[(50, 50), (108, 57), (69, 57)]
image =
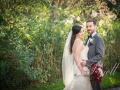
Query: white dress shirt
[(90, 38)]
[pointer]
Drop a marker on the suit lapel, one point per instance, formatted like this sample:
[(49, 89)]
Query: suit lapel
[(92, 37), (89, 44)]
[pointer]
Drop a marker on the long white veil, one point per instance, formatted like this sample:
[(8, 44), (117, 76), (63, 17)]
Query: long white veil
[(67, 62)]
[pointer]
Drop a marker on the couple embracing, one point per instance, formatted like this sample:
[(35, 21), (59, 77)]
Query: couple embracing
[(78, 58)]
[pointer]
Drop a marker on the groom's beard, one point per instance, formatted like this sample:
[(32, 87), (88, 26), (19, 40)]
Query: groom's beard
[(90, 32)]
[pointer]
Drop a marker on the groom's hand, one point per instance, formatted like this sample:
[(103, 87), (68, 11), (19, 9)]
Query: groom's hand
[(83, 62)]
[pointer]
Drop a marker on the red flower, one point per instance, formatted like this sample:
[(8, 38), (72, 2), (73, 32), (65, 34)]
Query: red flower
[(96, 73)]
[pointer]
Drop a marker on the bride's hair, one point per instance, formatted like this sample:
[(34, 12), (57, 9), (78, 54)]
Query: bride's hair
[(75, 30)]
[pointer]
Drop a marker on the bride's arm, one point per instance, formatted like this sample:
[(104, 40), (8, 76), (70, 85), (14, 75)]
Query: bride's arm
[(77, 51)]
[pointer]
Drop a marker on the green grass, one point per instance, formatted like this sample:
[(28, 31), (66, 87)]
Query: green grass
[(53, 85), (108, 82), (111, 81)]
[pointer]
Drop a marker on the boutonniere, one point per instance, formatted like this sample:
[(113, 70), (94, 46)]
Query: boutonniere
[(91, 40)]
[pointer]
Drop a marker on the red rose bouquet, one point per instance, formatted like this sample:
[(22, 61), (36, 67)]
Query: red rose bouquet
[(96, 73)]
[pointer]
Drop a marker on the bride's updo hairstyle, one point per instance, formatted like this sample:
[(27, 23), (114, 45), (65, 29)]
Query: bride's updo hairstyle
[(75, 30)]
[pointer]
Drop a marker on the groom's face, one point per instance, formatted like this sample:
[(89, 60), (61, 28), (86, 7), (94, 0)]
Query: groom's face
[(90, 27)]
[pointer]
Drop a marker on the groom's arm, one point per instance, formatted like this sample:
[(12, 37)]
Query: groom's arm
[(99, 49)]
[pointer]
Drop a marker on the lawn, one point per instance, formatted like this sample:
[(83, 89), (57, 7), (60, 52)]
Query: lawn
[(108, 82), (111, 81)]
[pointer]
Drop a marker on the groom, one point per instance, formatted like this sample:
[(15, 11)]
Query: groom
[(96, 48)]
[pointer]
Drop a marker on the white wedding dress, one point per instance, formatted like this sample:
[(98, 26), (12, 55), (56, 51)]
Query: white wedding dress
[(79, 81)]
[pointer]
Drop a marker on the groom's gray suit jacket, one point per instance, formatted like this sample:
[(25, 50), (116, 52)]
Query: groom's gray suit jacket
[(96, 50)]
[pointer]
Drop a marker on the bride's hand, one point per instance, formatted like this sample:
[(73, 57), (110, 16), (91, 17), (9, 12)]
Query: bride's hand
[(84, 73)]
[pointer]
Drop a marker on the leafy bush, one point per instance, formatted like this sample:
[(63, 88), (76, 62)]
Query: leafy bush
[(32, 37)]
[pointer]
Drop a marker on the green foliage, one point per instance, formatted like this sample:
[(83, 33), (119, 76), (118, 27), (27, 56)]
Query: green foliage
[(33, 34), (112, 42), (107, 82), (52, 85), (28, 40), (111, 81), (11, 75)]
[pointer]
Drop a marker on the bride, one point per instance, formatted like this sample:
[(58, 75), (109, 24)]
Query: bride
[(75, 76)]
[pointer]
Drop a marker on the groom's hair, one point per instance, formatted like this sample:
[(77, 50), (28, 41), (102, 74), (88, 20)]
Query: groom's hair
[(91, 20)]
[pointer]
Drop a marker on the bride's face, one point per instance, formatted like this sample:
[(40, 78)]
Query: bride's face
[(81, 33)]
